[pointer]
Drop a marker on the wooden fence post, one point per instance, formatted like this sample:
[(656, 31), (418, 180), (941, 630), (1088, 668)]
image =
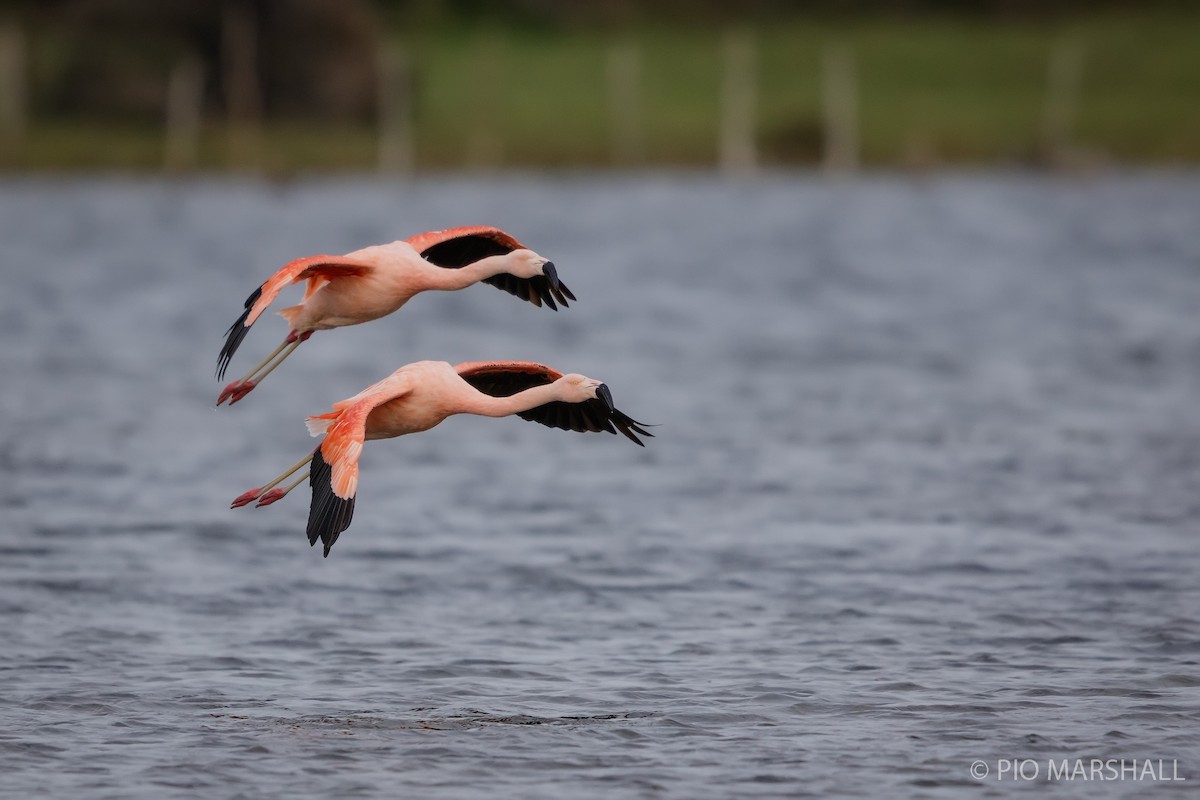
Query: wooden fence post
[(1064, 75), (485, 148), (14, 120), (839, 100), (243, 95), (624, 75), (184, 114), (397, 139), (738, 151)]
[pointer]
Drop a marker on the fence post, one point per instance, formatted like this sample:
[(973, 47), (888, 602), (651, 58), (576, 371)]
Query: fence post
[(839, 100), (184, 113), (484, 146), (243, 97), (1064, 75), (13, 110), (624, 105), (738, 150), (397, 140)]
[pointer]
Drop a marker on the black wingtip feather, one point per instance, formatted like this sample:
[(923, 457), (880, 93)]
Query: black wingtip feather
[(537, 290), (328, 515), (629, 427), (236, 333), (562, 293), (544, 289)]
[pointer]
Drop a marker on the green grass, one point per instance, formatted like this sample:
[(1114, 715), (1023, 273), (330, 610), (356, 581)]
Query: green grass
[(930, 91)]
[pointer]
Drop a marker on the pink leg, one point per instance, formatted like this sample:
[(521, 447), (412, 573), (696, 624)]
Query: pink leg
[(240, 388)]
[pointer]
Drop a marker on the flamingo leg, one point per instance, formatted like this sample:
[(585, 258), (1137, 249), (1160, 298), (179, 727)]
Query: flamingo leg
[(240, 388), (257, 492), (267, 368), (266, 360)]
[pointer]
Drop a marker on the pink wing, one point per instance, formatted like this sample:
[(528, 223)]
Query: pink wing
[(312, 268), (317, 270), (334, 475), (471, 237)]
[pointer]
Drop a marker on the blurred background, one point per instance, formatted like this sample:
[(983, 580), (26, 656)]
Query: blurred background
[(927, 483), (398, 86)]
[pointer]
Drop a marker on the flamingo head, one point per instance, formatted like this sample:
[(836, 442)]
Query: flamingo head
[(528, 264), (580, 388)]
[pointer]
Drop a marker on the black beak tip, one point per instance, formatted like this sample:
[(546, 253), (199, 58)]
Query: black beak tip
[(605, 396)]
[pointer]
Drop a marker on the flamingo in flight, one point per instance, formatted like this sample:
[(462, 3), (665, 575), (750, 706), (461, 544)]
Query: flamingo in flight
[(375, 281), (417, 397)]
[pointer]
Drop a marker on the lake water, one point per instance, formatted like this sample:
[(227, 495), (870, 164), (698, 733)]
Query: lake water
[(925, 491)]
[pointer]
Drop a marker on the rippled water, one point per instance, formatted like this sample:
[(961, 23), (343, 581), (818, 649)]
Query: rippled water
[(926, 491)]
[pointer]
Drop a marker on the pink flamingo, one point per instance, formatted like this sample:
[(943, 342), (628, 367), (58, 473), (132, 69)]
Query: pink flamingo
[(375, 281), (417, 397)]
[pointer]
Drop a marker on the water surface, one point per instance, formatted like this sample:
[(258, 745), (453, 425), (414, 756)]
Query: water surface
[(925, 491)]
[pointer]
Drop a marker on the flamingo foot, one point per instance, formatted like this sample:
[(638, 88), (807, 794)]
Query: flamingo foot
[(247, 497), (270, 497), (227, 392), (235, 391), (242, 391)]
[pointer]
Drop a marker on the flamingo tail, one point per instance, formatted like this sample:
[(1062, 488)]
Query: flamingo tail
[(320, 424)]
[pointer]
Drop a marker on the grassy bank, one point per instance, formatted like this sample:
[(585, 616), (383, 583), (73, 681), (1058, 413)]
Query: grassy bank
[(929, 92)]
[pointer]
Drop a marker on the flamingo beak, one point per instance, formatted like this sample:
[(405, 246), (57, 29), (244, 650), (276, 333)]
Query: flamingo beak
[(551, 273), (603, 394)]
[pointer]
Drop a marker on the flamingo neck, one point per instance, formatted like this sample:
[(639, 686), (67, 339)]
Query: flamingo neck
[(476, 271), (487, 406)]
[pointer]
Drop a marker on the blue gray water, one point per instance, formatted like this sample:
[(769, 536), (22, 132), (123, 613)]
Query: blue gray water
[(925, 491)]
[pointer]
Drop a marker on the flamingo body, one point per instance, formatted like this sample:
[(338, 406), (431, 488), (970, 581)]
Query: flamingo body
[(418, 397), (376, 281)]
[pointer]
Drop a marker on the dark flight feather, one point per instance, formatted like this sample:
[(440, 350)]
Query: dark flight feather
[(462, 250), (328, 514), (590, 415), (236, 333)]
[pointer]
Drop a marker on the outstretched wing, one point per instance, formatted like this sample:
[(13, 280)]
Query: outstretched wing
[(334, 476), (504, 378), (456, 247), (317, 270)]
